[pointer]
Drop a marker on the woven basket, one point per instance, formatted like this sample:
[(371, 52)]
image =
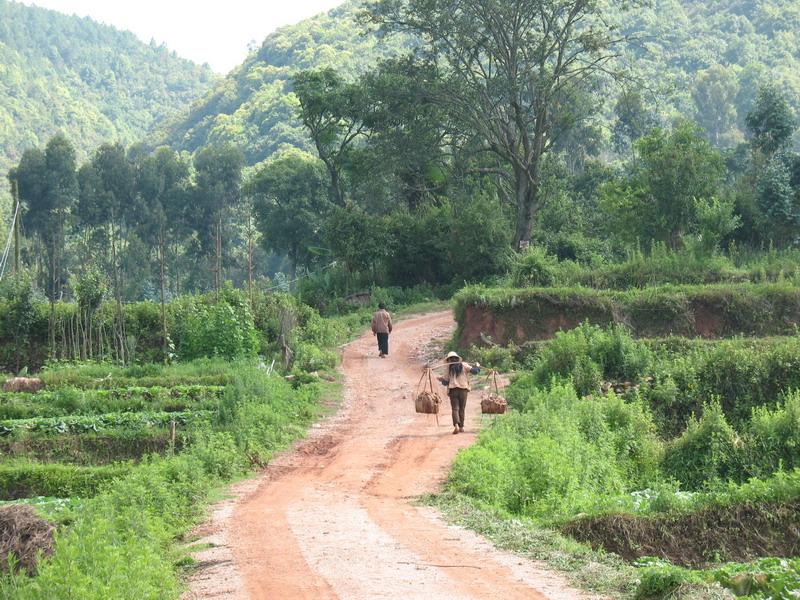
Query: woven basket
[(427, 403), (492, 402), (426, 400)]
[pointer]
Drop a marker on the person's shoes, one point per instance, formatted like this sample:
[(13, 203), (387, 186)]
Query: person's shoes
[(455, 430), (461, 430), (384, 355), (380, 354)]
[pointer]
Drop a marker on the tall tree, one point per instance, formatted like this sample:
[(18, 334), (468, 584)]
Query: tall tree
[(106, 206), (633, 120), (161, 186), (49, 186), (508, 63), (406, 130), (289, 203), (715, 91), (218, 177), (332, 111), (658, 200), (771, 122)]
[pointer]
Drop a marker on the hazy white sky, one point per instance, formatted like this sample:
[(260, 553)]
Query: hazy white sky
[(212, 31)]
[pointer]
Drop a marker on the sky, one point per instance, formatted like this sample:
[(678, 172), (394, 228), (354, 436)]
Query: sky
[(212, 32)]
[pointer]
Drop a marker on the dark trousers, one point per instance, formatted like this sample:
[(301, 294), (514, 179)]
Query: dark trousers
[(383, 342), (458, 402)]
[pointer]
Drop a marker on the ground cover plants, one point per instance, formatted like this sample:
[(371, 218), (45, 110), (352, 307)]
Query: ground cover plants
[(689, 471), (123, 458), (659, 266)]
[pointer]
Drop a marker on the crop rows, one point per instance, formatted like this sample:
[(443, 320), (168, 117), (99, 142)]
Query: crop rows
[(128, 421)]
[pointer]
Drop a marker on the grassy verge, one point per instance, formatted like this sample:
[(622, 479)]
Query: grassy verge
[(583, 567)]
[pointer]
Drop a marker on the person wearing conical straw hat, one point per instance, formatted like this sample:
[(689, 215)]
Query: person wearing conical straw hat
[(457, 382)]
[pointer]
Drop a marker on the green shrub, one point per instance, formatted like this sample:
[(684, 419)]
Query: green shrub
[(589, 354), (708, 450), (561, 455), (501, 358), (225, 329), (534, 268), (743, 374), (773, 438)]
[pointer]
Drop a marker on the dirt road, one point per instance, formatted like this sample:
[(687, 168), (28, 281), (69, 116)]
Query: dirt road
[(335, 518)]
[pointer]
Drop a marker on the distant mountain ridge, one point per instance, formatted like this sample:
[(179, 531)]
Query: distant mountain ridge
[(90, 81)]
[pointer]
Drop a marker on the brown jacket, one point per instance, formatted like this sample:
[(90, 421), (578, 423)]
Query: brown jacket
[(382, 322), (459, 381)]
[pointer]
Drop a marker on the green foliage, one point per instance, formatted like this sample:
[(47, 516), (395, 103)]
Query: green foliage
[(658, 201), (72, 401), (559, 457), (224, 329), (774, 578), (661, 265), (742, 374), (128, 421), (534, 268), (715, 222), (773, 438), (590, 354), (771, 122), (707, 451), (18, 317)]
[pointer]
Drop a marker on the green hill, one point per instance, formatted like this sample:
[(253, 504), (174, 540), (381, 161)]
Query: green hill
[(695, 58), (90, 81), (253, 106)]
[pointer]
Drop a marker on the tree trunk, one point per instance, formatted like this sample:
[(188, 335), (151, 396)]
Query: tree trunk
[(119, 317), (527, 198), (250, 257), (218, 254), (161, 259)]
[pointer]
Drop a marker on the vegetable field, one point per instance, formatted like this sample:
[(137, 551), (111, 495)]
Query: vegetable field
[(123, 460)]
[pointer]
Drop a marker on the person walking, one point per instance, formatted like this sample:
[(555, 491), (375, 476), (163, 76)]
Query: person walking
[(381, 328), (457, 382)]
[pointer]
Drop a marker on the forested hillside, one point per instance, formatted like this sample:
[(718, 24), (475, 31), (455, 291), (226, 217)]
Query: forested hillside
[(693, 59), (711, 56), (253, 107), (87, 80)]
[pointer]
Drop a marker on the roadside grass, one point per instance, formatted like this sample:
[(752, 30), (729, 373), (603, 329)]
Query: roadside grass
[(587, 569)]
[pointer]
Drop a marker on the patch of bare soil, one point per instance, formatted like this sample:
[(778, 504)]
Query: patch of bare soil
[(336, 517)]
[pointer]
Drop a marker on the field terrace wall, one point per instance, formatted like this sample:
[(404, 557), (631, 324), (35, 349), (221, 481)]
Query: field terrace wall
[(504, 315)]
